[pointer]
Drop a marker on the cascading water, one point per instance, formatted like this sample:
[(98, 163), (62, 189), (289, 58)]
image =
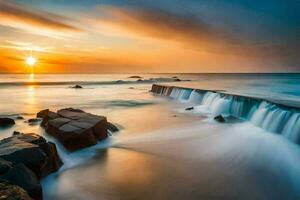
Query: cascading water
[(269, 116)]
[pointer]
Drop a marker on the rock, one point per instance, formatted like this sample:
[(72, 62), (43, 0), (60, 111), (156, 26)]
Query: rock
[(21, 176), (111, 127), (9, 191), (139, 80), (219, 118), (42, 113), (135, 77), (34, 121), (31, 150), (5, 122), (176, 79), (19, 117), (190, 108), (77, 87), (74, 128), (4, 166)]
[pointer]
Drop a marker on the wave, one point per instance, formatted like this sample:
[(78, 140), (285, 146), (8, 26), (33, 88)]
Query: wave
[(278, 118)]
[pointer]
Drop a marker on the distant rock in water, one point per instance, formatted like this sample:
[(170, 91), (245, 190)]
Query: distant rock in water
[(34, 121), (119, 81), (19, 117), (135, 77), (190, 108), (74, 128), (77, 87), (27, 158), (139, 80), (5, 122), (219, 118)]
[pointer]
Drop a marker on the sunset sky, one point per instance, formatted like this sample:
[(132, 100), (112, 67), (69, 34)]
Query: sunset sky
[(131, 36)]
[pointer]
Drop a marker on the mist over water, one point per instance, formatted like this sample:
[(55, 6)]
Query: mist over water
[(162, 150)]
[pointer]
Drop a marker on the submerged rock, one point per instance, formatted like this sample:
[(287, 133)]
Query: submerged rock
[(5, 122), (77, 87), (9, 191), (34, 121), (27, 158), (74, 128), (219, 118), (111, 127), (139, 80), (190, 108)]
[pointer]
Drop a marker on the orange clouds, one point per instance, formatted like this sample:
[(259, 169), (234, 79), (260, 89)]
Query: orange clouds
[(33, 21)]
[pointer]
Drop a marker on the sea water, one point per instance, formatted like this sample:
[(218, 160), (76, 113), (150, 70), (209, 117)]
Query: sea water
[(161, 150)]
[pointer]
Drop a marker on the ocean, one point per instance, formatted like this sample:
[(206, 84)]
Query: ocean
[(162, 150)]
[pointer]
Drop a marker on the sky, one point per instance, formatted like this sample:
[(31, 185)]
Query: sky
[(144, 36)]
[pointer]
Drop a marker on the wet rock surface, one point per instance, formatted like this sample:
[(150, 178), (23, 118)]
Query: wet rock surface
[(190, 108), (25, 159), (74, 128), (9, 191), (6, 122), (220, 119)]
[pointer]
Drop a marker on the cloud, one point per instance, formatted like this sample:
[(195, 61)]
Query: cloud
[(191, 32), (33, 21), (161, 24)]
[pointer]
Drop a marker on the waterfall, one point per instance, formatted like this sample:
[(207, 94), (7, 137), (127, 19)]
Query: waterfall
[(269, 116)]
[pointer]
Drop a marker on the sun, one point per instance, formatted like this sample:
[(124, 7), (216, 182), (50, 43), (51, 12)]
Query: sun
[(30, 60)]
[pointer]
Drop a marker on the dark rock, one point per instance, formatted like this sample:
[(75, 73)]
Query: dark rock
[(131, 88), (190, 108), (74, 128), (27, 158), (135, 77), (219, 118), (5, 122), (139, 80), (19, 117), (31, 150), (4, 166), (9, 191), (20, 175), (176, 79), (77, 87), (34, 121), (111, 127), (119, 81), (42, 113)]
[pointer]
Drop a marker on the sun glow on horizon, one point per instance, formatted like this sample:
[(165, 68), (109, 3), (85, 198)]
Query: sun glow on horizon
[(30, 60)]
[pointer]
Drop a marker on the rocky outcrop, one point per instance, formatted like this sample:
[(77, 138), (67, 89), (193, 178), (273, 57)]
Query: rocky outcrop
[(5, 122), (219, 118), (77, 87), (74, 128), (190, 108), (25, 159), (9, 191)]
